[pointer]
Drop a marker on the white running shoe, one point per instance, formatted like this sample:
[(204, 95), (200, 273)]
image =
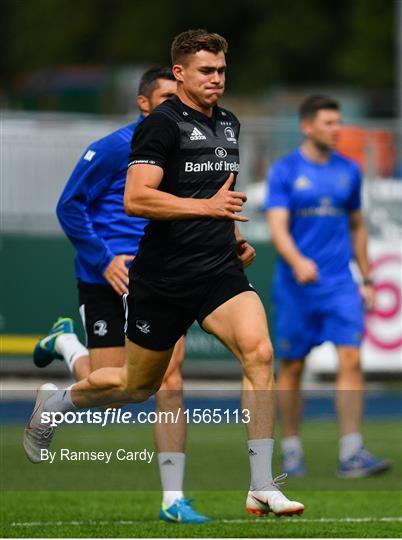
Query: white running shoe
[(38, 436), (260, 503)]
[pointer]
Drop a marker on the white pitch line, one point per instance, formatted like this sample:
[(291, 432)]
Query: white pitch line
[(295, 520)]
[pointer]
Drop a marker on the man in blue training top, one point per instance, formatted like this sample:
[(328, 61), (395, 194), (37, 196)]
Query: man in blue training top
[(91, 213), (313, 210)]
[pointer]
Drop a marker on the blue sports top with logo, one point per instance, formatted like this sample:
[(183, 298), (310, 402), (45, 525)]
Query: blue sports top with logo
[(91, 210), (319, 198)]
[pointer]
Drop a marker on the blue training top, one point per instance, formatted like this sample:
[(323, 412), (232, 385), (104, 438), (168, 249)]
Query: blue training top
[(91, 209), (319, 198)]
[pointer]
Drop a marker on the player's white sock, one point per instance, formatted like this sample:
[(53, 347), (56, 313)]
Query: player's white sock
[(171, 468), (260, 455), (291, 444), (60, 401), (349, 445), (69, 346)]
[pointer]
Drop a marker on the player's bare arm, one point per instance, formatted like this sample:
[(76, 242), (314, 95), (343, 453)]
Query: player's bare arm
[(305, 269), (142, 198), (358, 232)]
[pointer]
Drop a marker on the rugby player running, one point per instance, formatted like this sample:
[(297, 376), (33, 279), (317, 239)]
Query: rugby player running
[(181, 176), (91, 213)]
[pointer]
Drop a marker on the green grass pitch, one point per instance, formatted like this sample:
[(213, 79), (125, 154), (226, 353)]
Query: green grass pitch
[(122, 499)]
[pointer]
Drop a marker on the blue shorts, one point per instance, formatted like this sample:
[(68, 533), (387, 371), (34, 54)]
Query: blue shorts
[(307, 316)]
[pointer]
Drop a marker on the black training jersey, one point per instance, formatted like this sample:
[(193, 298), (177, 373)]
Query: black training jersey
[(197, 154)]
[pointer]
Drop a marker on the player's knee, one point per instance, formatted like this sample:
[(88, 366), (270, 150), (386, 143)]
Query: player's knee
[(258, 359), (172, 382), (291, 369), (264, 354), (170, 394), (350, 362), (136, 392), (290, 374)]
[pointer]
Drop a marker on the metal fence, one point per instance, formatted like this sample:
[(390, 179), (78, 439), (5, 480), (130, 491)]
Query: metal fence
[(39, 151)]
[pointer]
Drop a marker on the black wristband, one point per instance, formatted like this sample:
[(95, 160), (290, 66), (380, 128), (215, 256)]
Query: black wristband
[(368, 281)]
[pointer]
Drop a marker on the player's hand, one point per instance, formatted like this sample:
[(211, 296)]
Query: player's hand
[(305, 271), (116, 274), (368, 293), (226, 204), (245, 253)]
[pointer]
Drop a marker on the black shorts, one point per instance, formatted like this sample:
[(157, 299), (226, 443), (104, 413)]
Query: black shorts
[(159, 313), (102, 313)]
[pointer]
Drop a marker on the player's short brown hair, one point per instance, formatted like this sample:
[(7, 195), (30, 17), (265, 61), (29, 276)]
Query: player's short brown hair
[(312, 104), (192, 41)]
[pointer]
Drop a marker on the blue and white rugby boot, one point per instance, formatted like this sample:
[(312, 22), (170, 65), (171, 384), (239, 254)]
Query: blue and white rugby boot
[(45, 351), (181, 511), (293, 463), (39, 435), (362, 464)]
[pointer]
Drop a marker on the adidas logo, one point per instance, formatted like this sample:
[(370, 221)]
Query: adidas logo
[(168, 462), (251, 452), (197, 135)]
